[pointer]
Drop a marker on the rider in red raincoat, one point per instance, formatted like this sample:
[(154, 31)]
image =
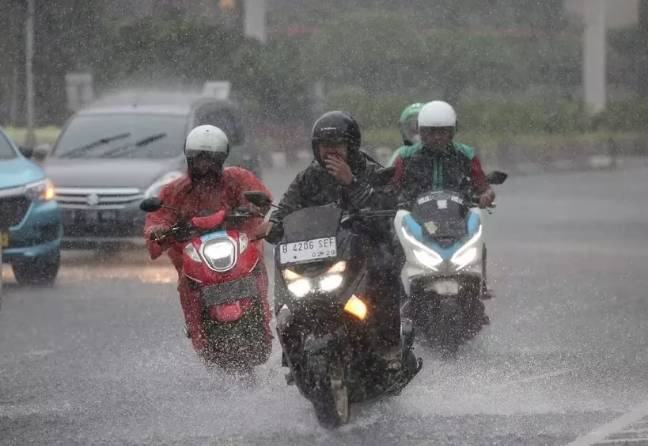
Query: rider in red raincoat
[(206, 189)]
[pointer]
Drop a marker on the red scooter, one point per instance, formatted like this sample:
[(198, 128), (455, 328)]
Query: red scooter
[(223, 263)]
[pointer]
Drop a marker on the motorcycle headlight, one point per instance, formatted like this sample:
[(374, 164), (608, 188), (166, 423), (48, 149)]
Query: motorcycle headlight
[(428, 258), (466, 257), (300, 287), (468, 252), (331, 282), (220, 254), (191, 252), (424, 255), (290, 275), (155, 188), (40, 191)]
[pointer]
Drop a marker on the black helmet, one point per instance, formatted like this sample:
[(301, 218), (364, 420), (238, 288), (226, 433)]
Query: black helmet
[(336, 126)]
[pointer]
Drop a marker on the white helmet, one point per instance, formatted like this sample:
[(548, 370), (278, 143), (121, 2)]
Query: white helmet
[(437, 114), (207, 139)]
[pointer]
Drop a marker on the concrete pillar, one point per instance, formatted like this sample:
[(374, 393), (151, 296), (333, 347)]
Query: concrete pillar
[(594, 63), (30, 139), (255, 19)]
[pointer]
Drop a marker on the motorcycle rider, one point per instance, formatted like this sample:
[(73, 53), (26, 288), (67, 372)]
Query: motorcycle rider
[(441, 163), (408, 126), (341, 173), (207, 188)]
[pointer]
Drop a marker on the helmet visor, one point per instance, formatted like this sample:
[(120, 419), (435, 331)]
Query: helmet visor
[(202, 155)]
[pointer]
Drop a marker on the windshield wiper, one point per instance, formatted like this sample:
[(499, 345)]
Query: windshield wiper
[(114, 153), (92, 145)]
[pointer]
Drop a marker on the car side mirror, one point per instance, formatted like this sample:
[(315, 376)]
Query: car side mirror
[(41, 151), (27, 152), (259, 199), (496, 177), (151, 204)]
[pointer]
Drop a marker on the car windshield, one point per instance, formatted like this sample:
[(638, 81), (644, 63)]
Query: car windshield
[(123, 136), (6, 151)]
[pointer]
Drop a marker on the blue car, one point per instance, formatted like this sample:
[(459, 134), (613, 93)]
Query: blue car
[(30, 219)]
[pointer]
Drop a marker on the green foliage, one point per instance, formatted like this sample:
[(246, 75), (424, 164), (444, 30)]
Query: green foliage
[(384, 53), (370, 110), (624, 116)]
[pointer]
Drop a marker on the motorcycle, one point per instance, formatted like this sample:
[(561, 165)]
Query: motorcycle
[(222, 262), (325, 310), (444, 275)]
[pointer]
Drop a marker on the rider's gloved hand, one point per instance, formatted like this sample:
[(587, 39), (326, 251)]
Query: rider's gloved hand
[(158, 234), (486, 199)]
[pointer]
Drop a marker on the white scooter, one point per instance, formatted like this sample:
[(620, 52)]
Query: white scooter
[(444, 275)]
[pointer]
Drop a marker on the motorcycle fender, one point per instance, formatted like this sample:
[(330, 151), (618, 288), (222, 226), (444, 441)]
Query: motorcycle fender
[(231, 311), (314, 344)]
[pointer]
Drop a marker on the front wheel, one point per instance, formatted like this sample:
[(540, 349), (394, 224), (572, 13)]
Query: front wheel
[(38, 271), (331, 402)]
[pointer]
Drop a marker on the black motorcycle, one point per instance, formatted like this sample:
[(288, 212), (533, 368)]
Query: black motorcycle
[(324, 305)]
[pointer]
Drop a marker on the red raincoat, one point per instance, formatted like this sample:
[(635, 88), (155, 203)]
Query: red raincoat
[(199, 200)]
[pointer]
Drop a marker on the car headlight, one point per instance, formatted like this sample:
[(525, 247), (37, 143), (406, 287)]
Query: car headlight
[(192, 253), (40, 191), (468, 252), (220, 254), (155, 188)]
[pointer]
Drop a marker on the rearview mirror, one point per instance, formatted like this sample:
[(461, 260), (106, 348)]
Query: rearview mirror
[(496, 177), (383, 176), (41, 151), (259, 199), (27, 152), (151, 204)]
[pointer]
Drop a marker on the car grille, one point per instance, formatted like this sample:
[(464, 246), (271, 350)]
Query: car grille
[(13, 207), (97, 198)]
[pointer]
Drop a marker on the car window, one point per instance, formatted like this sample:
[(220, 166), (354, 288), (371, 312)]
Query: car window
[(6, 150), (136, 135), (224, 120)]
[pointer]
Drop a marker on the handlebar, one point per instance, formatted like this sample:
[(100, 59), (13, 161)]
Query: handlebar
[(183, 230)]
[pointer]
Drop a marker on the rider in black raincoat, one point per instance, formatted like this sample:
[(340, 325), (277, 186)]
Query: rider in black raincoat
[(342, 173)]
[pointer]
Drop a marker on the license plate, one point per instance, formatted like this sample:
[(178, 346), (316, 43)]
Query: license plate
[(4, 239), (107, 216), (445, 287), (320, 248)]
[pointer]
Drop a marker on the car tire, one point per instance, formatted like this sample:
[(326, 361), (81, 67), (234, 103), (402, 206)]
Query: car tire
[(38, 271)]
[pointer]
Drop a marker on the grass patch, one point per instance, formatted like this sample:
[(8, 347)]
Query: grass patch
[(44, 135)]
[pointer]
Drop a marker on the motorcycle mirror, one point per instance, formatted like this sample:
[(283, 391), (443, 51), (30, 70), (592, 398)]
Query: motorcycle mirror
[(151, 204), (496, 177), (259, 199), (384, 175)]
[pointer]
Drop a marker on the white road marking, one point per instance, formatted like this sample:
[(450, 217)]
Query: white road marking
[(598, 435), (529, 379)]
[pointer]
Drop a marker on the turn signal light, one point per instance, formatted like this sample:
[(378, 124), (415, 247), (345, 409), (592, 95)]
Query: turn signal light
[(356, 307)]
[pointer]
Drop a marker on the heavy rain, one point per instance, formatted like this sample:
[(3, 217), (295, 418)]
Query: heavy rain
[(195, 251)]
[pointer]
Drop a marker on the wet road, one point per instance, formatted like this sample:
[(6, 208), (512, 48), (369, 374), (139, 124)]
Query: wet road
[(101, 358)]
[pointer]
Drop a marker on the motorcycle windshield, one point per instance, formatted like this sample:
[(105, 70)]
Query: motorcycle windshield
[(310, 235), (442, 214), (311, 223)]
